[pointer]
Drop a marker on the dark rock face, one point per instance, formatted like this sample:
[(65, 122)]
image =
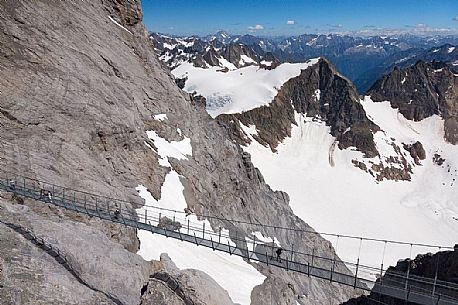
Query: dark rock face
[(319, 92), (417, 152), (129, 11), (423, 265), (421, 91)]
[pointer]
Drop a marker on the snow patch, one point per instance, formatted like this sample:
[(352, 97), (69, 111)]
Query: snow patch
[(160, 117), (174, 149), (118, 24)]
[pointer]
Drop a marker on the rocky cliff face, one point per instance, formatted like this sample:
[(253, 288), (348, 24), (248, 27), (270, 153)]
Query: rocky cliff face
[(421, 91), (321, 93), (77, 96)]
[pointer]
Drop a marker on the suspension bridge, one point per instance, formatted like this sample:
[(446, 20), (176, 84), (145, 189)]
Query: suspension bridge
[(178, 225)]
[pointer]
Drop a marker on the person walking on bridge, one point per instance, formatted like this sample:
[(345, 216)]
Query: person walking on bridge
[(278, 252)]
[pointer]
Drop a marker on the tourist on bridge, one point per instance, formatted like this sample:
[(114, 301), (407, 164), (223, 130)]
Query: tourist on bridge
[(278, 252), (12, 184), (116, 214), (49, 196)]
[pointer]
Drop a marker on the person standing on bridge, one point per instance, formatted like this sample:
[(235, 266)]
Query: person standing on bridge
[(278, 252)]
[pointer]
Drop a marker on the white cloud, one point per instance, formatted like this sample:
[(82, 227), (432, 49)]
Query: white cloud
[(257, 27), (290, 22), (455, 18)]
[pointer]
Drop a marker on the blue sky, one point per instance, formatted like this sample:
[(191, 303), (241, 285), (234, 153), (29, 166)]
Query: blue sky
[(270, 17)]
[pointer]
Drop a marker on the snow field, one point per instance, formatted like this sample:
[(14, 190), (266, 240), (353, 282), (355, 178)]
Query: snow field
[(243, 89)]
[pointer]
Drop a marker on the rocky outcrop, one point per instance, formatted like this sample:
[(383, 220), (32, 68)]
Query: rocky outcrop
[(424, 265), (319, 92), (417, 152), (421, 91)]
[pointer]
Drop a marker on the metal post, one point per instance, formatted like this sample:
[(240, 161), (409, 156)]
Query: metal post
[(188, 226), (219, 236), (292, 252), (230, 253), (272, 249), (146, 216), (85, 206), (408, 267), (383, 260), (435, 275), (356, 273), (267, 259), (308, 265), (203, 231), (254, 247)]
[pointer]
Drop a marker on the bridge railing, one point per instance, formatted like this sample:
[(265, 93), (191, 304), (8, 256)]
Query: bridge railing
[(178, 224)]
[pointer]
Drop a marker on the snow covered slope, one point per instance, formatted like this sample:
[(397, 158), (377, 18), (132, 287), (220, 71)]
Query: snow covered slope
[(398, 193), (334, 196), (237, 90)]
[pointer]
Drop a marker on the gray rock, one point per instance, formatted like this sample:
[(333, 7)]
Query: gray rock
[(421, 91)]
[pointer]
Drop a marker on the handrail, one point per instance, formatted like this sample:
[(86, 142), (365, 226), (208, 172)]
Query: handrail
[(207, 216)]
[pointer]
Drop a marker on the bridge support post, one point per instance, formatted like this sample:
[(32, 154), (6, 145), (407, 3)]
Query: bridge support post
[(292, 252), (435, 275), (203, 230), (122, 217), (195, 238), (63, 197), (356, 273), (219, 235)]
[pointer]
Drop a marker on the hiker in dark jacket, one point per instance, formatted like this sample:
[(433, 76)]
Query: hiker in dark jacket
[(278, 252)]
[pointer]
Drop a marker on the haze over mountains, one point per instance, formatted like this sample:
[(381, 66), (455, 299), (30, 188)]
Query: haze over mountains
[(362, 59)]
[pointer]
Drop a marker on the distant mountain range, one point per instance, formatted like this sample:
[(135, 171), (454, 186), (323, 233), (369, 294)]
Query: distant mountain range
[(361, 59)]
